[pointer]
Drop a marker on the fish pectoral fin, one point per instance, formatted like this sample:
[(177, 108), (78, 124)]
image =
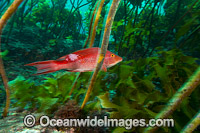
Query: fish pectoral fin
[(104, 68)]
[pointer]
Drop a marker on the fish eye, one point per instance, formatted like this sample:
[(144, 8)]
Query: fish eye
[(112, 55)]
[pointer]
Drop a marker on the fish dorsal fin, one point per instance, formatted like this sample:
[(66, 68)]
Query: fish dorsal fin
[(88, 51), (69, 58), (80, 53), (62, 58)]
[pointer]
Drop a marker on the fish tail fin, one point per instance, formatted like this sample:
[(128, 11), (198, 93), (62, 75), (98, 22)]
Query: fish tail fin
[(44, 67)]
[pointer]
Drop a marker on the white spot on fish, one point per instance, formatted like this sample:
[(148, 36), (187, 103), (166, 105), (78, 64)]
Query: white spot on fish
[(73, 57)]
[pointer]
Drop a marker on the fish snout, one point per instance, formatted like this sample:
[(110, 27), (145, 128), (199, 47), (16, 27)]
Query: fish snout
[(119, 59)]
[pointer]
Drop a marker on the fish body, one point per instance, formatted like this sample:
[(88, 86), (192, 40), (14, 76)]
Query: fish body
[(79, 61)]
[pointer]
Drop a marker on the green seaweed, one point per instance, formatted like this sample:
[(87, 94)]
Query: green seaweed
[(132, 89), (152, 46)]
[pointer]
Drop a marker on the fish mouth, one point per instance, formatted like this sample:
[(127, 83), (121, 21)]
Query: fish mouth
[(118, 60)]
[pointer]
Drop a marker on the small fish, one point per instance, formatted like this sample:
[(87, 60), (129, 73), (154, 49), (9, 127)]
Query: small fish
[(80, 61)]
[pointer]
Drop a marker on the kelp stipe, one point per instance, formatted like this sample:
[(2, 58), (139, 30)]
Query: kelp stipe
[(179, 96), (104, 46), (91, 35), (92, 38), (9, 12), (193, 124)]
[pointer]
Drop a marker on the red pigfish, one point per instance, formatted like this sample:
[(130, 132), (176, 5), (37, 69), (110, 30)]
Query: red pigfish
[(79, 61)]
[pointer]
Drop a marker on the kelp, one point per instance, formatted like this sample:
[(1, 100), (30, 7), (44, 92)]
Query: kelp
[(91, 35), (90, 27), (140, 90), (9, 12), (179, 20), (132, 89), (193, 124), (104, 46), (47, 96), (179, 96), (96, 23)]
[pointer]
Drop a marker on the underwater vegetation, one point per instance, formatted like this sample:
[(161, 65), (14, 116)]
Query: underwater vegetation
[(131, 91), (159, 76)]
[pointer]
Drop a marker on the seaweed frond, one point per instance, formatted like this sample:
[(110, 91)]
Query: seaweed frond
[(179, 96)]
